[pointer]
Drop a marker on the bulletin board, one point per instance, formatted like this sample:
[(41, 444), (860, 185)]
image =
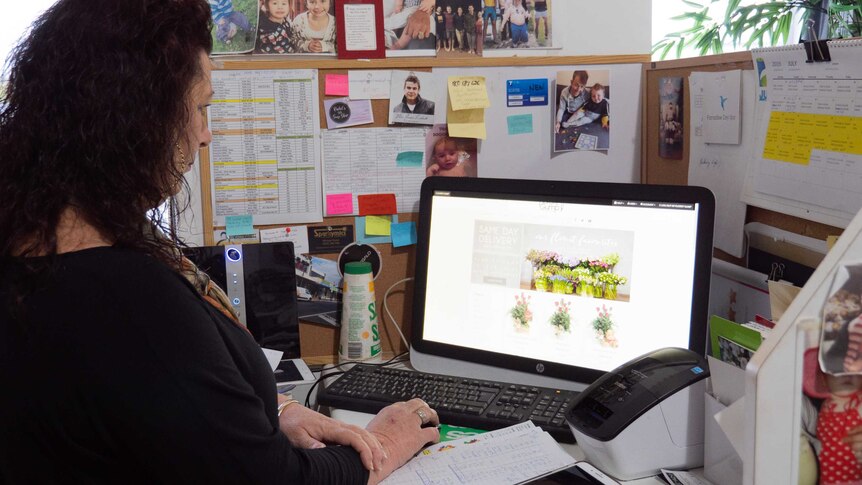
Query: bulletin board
[(507, 159), (658, 170)]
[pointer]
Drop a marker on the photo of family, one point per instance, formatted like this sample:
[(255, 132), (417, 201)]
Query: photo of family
[(582, 110), (409, 102), (447, 156), (468, 27)]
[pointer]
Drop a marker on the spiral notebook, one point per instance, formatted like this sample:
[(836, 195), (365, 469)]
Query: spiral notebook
[(807, 160)]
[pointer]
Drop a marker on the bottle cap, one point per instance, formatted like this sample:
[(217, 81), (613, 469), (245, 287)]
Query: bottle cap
[(357, 267)]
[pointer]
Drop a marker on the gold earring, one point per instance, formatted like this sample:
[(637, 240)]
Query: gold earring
[(182, 155)]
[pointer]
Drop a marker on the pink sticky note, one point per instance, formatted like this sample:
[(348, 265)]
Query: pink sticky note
[(336, 85), (338, 204)]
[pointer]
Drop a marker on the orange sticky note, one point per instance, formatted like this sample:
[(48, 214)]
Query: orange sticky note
[(377, 204), (339, 204), (336, 85)]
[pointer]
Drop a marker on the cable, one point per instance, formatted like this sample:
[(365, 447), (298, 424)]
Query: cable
[(386, 307)]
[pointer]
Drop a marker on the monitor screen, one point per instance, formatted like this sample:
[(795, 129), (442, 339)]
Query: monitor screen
[(556, 283)]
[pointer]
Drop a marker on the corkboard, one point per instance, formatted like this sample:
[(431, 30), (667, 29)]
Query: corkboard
[(398, 263), (657, 170)]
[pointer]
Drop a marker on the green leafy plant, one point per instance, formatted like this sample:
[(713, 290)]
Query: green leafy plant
[(765, 23), (561, 319)]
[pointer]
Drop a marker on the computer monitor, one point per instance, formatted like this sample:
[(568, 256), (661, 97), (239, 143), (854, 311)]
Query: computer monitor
[(555, 283)]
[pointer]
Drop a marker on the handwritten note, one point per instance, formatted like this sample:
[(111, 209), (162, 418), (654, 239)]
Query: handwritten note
[(336, 85), (468, 92), (520, 124), (370, 84), (468, 123), (298, 235), (239, 225), (337, 204), (377, 204), (403, 234), (378, 225)]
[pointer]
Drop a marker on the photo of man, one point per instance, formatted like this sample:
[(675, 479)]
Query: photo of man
[(582, 111), (408, 105)]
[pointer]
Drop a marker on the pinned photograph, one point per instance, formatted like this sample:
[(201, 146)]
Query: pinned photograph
[(582, 110), (296, 27), (409, 27), (407, 99), (234, 25), (448, 156), (670, 134)]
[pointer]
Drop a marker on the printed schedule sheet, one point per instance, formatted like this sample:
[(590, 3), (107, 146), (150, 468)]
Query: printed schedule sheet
[(264, 156)]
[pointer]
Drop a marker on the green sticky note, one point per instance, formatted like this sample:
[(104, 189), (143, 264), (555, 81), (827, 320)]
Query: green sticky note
[(409, 159), (378, 225), (520, 124), (239, 225)]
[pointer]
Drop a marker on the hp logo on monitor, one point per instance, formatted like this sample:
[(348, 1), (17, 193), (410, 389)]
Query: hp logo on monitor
[(540, 367)]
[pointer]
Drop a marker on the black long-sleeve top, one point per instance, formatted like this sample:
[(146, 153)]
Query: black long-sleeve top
[(121, 373)]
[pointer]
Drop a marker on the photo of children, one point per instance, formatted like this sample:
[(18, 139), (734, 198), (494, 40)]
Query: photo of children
[(447, 156), (494, 24), (410, 27), (234, 25), (841, 334), (296, 26), (582, 110), (407, 99), (670, 118)]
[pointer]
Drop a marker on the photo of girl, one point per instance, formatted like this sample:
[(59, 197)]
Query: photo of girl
[(296, 26), (314, 29), (273, 29), (448, 156)]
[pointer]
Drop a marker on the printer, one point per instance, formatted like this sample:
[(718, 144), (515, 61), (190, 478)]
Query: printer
[(645, 415)]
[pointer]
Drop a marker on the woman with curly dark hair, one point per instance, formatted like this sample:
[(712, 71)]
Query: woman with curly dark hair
[(117, 361)]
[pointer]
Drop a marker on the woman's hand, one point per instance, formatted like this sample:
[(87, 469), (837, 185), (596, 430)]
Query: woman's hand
[(399, 428), (309, 429)]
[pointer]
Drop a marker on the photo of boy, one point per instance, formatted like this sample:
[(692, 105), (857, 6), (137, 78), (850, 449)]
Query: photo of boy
[(232, 31), (582, 113), (273, 28), (407, 102), (448, 156)]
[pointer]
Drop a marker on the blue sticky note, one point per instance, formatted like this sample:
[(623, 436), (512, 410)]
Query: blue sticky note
[(403, 234), (363, 238), (409, 159), (526, 92), (239, 225), (520, 124)]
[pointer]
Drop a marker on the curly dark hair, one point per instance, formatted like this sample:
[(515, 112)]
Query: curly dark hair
[(94, 111)]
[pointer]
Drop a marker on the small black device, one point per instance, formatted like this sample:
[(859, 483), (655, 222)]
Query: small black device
[(260, 282)]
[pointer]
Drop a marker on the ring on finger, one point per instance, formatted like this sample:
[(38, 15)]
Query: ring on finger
[(422, 415)]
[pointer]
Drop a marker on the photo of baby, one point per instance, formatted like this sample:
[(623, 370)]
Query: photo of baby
[(447, 156), (296, 26)]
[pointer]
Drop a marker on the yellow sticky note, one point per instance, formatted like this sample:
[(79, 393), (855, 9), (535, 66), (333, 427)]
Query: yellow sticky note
[(378, 225), (830, 241), (468, 92), (467, 123)]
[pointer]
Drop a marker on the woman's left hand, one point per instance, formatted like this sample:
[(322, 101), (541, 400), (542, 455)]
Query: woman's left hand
[(306, 428)]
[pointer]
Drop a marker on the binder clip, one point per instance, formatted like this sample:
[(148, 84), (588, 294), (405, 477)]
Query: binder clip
[(816, 50)]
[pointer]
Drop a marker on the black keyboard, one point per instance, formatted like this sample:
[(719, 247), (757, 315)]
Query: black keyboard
[(458, 401)]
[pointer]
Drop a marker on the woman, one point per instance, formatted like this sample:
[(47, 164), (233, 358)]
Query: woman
[(115, 367)]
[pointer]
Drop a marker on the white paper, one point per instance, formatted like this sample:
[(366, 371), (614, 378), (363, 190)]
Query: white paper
[(298, 235), (722, 106), (736, 293), (360, 27), (732, 421), (366, 161), (272, 356), (264, 155), (721, 168), (825, 188), (728, 381), (508, 459), (370, 84), (676, 477)]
